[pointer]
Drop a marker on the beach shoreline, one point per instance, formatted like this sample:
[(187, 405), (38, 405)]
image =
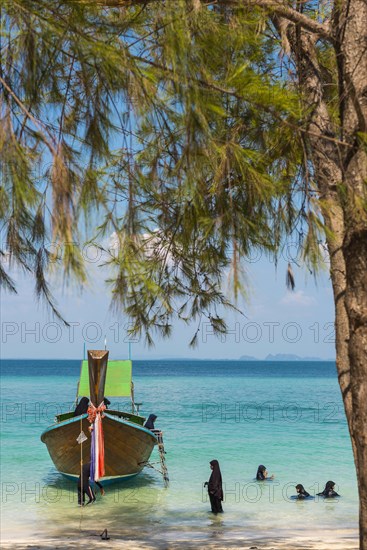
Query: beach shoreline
[(146, 545), (346, 540)]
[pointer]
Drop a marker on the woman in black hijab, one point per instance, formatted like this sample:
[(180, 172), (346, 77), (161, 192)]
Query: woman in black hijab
[(149, 424), (215, 487), (301, 491), (262, 473), (82, 406), (328, 492)]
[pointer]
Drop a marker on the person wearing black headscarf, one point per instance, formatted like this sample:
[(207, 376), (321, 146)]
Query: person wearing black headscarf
[(301, 491), (84, 487), (215, 487), (328, 492), (82, 406), (149, 424), (262, 473)]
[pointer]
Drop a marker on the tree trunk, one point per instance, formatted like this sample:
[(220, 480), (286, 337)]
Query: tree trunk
[(351, 42), (327, 163), (355, 251), (341, 175)]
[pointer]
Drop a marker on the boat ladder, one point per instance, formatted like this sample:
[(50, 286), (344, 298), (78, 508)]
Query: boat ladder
[(162, 458)]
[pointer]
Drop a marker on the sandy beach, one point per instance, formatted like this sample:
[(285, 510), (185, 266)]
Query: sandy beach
[(174, 540), (136, 545)]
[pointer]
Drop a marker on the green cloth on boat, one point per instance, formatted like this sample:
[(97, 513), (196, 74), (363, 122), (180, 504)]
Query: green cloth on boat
[(118, 380)]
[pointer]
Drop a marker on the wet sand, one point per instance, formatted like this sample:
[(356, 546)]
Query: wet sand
[(345, 540)]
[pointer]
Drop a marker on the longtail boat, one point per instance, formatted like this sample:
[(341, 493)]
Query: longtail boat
[(127, 443)]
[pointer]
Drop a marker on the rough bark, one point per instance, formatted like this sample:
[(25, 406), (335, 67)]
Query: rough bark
[(326, 158), (341, 175), (355, 251), (350, 24)]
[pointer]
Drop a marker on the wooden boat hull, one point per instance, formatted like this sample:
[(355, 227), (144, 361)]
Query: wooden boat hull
[(128, 446)]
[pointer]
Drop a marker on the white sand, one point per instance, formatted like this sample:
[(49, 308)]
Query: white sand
[(92, 540)]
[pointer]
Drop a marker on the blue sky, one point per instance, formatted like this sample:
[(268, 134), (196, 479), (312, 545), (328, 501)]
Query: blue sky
[(276, 321)]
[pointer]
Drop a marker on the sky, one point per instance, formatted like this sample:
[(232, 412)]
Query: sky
[(274, 320)]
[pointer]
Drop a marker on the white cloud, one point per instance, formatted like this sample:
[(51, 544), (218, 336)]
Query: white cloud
[(151, 244), (299, 299)]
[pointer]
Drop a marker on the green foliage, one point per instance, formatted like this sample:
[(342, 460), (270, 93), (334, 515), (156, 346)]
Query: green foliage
[(168, 123)]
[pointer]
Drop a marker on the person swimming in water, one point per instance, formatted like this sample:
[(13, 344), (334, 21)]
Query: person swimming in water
[(262, 474), (328, 492), (301, 491), (84, 487), (214, 485)]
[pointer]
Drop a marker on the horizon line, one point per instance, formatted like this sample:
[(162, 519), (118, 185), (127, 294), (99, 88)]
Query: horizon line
[(305, 359)]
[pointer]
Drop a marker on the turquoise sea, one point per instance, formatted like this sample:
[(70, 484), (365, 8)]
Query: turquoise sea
[(287, 416)]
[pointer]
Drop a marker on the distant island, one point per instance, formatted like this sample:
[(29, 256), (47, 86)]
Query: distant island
[(282, 357)]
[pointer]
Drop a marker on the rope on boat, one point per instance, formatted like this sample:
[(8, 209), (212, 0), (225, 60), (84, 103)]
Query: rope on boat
[(162, 459), (151, 465)]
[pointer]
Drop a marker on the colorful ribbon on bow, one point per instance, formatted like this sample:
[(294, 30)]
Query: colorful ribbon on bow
[(95, 415)]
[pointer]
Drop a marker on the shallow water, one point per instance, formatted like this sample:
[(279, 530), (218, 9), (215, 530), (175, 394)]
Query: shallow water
[(288, 416)]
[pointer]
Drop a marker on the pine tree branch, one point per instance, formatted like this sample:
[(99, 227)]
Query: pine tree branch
[(282, 9), (233, 93), (29, 115), (275, 6)]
